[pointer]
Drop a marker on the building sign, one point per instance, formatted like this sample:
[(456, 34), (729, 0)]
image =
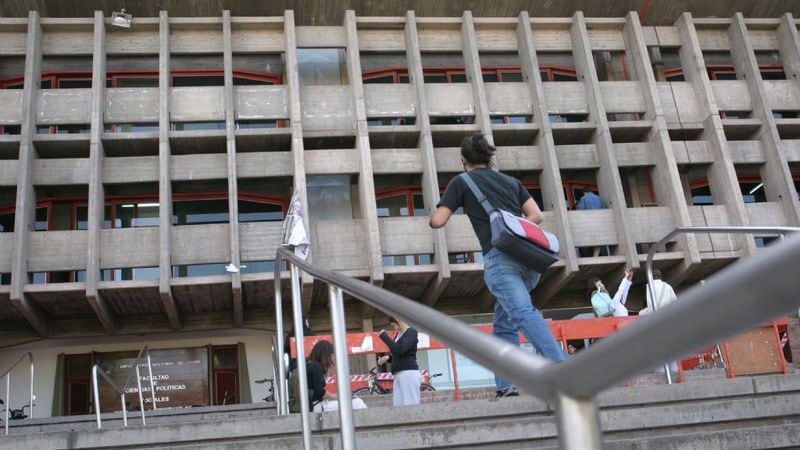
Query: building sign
[(180, 377)]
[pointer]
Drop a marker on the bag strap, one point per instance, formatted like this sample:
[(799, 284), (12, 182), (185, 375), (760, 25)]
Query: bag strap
[(477, 192)]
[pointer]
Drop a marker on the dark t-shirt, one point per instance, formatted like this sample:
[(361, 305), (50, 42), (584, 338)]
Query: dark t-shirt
[(502, 191), (315, 375)]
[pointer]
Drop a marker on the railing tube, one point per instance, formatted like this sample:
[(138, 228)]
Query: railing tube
[(347, 428), (124, 410), (8, 400), (152, 383), (7, 374), (141, 397), (30, 416), (578, 423), (281, 398), (297, 308), (96, 392)]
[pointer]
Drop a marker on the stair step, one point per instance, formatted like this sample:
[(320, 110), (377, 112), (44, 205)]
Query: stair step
[(686, 413)]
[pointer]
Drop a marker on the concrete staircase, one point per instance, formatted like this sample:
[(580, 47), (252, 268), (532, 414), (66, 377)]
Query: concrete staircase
[(706, 412)]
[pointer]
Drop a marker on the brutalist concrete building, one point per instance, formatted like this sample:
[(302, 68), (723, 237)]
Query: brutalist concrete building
[(140, 156)]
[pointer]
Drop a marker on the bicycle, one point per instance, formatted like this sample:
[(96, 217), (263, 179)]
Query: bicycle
[(271, 397), (14, 414), (376, 386)]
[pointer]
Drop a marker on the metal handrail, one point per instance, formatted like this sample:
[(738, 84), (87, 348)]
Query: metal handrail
[(7, 374), (734, 296), (143, 351), (780, 231)]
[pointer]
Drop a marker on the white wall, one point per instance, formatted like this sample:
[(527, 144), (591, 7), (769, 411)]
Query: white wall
[(45, 354)]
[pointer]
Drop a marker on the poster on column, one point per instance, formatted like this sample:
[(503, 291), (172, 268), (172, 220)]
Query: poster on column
[(180, 376)]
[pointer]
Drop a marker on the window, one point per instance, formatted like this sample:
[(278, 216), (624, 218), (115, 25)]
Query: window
[(405, 201)]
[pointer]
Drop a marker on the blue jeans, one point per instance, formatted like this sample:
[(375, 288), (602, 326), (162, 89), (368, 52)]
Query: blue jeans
[(511, 282)]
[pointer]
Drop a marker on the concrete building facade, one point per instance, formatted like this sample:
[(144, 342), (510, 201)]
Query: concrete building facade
[(136, 163)]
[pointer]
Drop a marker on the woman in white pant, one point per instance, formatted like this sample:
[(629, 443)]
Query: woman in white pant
[(405, 370)]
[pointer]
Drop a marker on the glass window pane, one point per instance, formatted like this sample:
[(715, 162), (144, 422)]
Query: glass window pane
[(41, 219), (250, 211), (329, 197), (511, 76), (196, 212), (395, 206), (208, 80), (320, 66), (74, 84), (137, 82), (82, 218), (7, 223)]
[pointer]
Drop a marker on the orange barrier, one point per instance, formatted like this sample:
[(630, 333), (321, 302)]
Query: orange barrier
[(563, 331)]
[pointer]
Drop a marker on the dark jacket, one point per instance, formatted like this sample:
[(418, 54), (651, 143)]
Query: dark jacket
[(404, 351)]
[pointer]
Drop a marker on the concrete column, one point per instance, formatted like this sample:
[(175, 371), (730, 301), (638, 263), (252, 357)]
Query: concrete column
[(472, 69), (292, 80), (666, 179), (775, 174), (96, 203), (26, 196), (430, 178), (722, 175), (164, 171), (550, 178), (608, 179), (366, 181), (233, 190)]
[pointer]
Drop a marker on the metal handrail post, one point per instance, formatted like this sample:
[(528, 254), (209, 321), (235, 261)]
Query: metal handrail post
[(281, 398), (96, 390), (578, 423), (141, 397), (152, 383), (8, 394), (780, 231), (297, 309), (30, 416), (346, 426), (7, 374)]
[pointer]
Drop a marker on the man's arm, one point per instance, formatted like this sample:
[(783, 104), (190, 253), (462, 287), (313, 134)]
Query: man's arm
[(440, 217), (531, 211)]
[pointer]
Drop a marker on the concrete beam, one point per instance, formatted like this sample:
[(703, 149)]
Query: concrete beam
[(776, 176), (164, 182), (722, 174), (96, 203), (608, 178), (548, 289), (233, 189), (430, 178), (472, 69), (366, 180), (296, 123), (26, 196), (666, 179), (550, 177)]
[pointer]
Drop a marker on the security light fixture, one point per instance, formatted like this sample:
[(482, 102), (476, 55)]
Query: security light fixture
[(121, 19)]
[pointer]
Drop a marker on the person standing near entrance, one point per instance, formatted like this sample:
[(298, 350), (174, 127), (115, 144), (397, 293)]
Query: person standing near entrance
[(403, 357), (508, 279)]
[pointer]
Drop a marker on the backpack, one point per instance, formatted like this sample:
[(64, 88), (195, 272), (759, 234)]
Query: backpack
[(295, 405)]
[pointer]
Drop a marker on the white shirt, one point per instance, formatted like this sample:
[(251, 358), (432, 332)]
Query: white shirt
[(621, 297), (663, 293)]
